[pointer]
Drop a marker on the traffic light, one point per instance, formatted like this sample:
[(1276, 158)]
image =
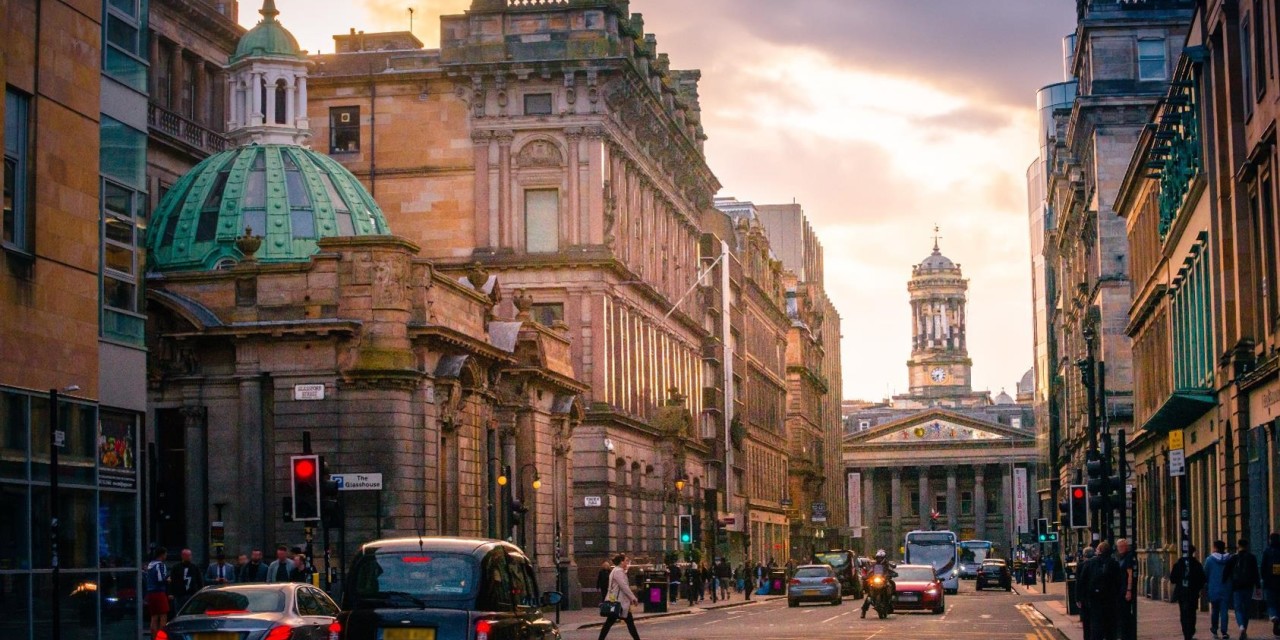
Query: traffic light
[(1078, 513), (331, 511), (697, 530), (1042, 528), (722, 536), (686, 529), (306, 488), (1051, 536)]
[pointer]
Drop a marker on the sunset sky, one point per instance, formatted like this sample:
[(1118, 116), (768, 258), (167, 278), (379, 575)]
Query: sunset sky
[(881, 117)]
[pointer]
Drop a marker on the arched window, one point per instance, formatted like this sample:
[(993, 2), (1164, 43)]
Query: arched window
[(282, 89)]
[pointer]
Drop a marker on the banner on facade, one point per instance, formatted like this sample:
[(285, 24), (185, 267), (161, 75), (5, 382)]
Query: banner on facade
[(1020, 499), (855, 503), (117, 461)]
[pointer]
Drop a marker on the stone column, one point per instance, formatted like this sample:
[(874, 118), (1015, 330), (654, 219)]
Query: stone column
[(195, 421), (1006, 504), (573, 228), (202, 101), (154, 57), (506, 239), (868, 510), (254, 117), (926, 502), (290, 107), (175, 78), (895, 503), (979, 503), (300, 110), (953, 501), (271, 103)]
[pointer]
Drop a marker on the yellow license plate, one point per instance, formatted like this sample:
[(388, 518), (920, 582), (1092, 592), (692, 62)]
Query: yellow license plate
[(408, 634), (215, 636)]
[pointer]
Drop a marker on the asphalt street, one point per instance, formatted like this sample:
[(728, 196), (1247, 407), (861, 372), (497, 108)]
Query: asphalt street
[(970, 616)]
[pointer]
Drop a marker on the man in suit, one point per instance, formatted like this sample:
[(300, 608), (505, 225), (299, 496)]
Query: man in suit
[(220, 572), (281, 570), (255, 570)]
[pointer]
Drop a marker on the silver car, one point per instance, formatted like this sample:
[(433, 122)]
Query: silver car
[(814, 583), (279, 611)]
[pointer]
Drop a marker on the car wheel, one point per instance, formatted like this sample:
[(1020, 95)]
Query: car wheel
[(793, 603), (883, 614), (978, 586), (940, 610), (838, 601)]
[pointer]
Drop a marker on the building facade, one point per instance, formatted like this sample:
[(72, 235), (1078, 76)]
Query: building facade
[(942, 456), (1123, 59), (70, 321)]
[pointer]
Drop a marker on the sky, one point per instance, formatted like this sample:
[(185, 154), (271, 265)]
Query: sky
[(883, 118)]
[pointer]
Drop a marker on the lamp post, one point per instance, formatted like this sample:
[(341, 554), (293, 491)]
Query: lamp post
[(519, 504), (501, 481)]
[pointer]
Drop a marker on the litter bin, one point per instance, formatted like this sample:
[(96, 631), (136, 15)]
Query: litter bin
[(777, 582), (1072, 609), (654, 587)]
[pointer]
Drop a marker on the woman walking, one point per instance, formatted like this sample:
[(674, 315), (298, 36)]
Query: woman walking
[(620, 592)]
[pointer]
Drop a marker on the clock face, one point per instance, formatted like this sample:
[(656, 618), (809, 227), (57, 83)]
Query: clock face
[(939, 374)]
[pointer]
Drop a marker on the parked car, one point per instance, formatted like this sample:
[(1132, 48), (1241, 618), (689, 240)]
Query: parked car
[(845, 564), (994, 573), (429, 588), (280, 611), (814, 582), (918, 588)]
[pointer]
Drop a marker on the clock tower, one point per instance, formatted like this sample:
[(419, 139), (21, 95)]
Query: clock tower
[(940, 368)]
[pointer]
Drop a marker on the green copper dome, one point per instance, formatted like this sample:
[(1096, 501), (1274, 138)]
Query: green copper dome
[(267, 38), (289, 195)]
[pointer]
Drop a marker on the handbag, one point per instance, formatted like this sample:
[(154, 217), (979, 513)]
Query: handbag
[(610, 606)]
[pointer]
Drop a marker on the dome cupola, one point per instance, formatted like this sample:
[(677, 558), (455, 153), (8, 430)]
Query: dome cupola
[(288, 195), (267, 85)]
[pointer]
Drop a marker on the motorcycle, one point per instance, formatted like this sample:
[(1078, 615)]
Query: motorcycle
[(878, 595)]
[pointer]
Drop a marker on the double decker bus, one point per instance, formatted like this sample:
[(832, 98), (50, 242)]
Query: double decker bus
[(939, 549)]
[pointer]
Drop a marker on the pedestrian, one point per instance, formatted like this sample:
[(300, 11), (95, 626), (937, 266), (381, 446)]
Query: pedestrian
[(1215, 570), (1271, 581), (255, 570), (185, 580), (281, 570), (602, 578), (1102, 583), (619, 591), (302, 571), (1242, 571), (220, 572), (1083, 556), (1188, 581), (708, 581), (1129, 569), (724, 576), (155, 589), (748, 580), (762, 576)]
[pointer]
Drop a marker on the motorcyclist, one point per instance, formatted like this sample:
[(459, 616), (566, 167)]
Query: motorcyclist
[(884, 568)]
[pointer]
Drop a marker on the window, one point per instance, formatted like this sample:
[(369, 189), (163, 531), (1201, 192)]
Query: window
[(915, 503), (966, 503), (1016, 423), (123, 163), (1151, 60), (282, 102), (548, 314), (542, 220), (1246, 65), (15, 226), (125, 34), (344, 130), (1259, 53), (537, 104), (940, 503)]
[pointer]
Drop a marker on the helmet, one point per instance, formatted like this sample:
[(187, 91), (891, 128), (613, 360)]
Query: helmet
[(881, 555)]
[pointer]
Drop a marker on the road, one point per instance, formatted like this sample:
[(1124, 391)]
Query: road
[(970, 616)]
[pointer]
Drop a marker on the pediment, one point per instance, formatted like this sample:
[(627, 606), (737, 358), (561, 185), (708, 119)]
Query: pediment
[(934, 427)]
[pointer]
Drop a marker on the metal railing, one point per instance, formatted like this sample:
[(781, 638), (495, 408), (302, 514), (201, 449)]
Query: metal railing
[(537, 3), (171, 124)]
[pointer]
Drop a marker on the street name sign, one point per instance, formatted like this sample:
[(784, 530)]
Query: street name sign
[(357, 481), (308, 392), (592, 501)]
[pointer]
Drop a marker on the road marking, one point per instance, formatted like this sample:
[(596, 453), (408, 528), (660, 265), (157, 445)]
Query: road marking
[(836, 617)]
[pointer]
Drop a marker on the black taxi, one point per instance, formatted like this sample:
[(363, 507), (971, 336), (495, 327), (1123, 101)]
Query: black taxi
[(444, 589)]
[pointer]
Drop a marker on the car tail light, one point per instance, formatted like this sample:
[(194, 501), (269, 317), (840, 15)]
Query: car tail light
[(829, 581), (335, 630), (162, 635), (794, 582), (282, 632), (483, 628)]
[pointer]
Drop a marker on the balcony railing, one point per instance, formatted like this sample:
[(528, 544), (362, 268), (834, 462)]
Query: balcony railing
[(203, 140), (537, 3)]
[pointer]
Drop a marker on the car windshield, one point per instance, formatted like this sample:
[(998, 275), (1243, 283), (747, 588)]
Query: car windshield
[(813, 572), (412, 579), (837, 560), (915, 574), (234, 601)]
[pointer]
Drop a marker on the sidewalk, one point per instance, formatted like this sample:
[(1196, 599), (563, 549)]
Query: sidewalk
[(590, 618), (1157, 620)]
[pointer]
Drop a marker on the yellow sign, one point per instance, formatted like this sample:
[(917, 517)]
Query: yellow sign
[(1175, 439), (409, 634)]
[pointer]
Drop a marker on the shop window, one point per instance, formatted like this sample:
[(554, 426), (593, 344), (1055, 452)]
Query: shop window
[(344, 129), (15, 231), (537, 104)]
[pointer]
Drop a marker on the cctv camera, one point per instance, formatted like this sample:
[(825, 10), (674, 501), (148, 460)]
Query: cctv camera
[(608, 445)]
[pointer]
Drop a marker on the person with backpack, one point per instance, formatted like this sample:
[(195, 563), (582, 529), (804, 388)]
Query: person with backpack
[(1271, 581), (1102, 587), (1188, 580), (1242, 572), (1215, 569)]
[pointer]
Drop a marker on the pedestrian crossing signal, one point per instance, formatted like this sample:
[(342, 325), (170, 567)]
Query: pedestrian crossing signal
[(686, 529), (1046, 538), (305, 473)]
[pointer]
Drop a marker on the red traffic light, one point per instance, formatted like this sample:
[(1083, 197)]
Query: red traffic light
[(304, 468), (1078, 493)]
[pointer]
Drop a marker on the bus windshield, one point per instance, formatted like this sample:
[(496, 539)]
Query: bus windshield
[(974, 552), (936, 549)]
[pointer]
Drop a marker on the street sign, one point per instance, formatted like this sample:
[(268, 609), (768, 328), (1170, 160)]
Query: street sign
[(1177, 463), (592, 501), (308, 392), (357, 481), (819, 512), (1175, 440)]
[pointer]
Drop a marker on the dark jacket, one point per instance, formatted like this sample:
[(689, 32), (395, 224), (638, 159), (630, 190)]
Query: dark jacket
[(1188, 579), (1271, 568), (185, 580), (602, 581), (252, 572), (1242, 571), (1101, 581)]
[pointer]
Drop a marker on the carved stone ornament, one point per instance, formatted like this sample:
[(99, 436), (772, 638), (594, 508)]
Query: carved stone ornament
[(540, 153), (523, 303), (477, 276), (388, 283), (248, 244)]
